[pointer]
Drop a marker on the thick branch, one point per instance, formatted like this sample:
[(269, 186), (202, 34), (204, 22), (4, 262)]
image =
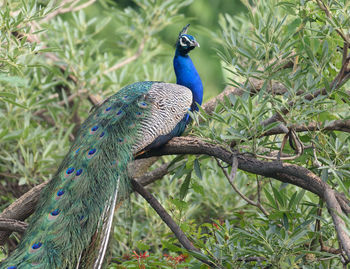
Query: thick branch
[(284, 172), (12, 225), (339, 224), (336, 125)]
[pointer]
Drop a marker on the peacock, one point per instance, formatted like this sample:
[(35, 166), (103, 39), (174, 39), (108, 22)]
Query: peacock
[(72, 222)]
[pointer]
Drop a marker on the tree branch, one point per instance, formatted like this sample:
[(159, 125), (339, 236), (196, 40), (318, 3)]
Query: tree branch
[(323, 7), (336, 125), (127, 60), (12, 225), (72, 8), (339, 224), (230, 179), (168, 220), (285, 172)]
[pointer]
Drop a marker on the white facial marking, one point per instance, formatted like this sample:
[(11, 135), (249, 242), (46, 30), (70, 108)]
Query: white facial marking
[(183, 41)]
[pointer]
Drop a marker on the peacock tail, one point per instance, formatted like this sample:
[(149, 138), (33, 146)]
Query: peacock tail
[(80, 199), (72, 223)]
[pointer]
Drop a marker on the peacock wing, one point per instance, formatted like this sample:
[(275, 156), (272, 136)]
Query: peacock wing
[(169, 105)]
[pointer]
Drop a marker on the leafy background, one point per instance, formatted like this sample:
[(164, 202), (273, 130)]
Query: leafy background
[(240, 42)]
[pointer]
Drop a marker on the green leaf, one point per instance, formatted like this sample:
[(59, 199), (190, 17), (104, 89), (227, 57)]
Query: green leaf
[(197, 169), (14, 80), (285, 222), (171, 246), (179, 204), (141, 246), (14, 103), (185, 186), (197, 187), (270, 198)]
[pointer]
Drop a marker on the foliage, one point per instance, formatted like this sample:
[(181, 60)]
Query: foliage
[(45, 62)]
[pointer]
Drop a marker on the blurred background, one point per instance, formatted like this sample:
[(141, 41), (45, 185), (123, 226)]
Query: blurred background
[(203, 15)]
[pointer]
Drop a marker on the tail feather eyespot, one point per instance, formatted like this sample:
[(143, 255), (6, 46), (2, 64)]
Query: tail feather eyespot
[(91, 153), (138, 114), (79, 172), (59, 194), (69, 171), (93, 129), (54, 214), (35, 247), (121, 140), (142, 104)]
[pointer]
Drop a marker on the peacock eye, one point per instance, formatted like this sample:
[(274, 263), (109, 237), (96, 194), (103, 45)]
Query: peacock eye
[(183, 40)]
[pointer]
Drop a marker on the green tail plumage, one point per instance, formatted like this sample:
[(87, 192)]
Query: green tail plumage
[(83, 192), (71, 225)]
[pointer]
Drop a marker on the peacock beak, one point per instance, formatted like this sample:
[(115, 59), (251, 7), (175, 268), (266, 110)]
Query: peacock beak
[(195, 44)]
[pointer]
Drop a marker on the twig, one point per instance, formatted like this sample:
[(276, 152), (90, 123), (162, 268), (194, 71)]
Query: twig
[(339, 224), (329, 15), (258, 188), (252, 259), (63, 102), (127, 60), (230, 179), (168, 220), (71, 8), (299, 148), (336, 125), (154, 175)]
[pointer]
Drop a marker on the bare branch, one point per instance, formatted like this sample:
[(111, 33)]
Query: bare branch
[(72, 8), (336, 125), (22, 208), (335, 211), (284, 172), (127, 60), (168, 220), (329, 15), (230, 179)]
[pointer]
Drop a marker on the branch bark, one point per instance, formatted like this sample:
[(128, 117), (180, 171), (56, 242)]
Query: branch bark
[(12, 225), (285, 172), (168, 220)]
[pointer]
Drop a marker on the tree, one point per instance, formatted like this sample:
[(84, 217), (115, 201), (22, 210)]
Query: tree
[(278, 133)]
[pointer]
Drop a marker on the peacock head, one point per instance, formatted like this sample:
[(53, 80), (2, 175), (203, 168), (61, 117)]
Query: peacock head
[(185, 42)]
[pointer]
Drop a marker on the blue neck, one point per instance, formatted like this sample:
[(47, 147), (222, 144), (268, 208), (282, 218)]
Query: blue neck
[(187, 75)]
